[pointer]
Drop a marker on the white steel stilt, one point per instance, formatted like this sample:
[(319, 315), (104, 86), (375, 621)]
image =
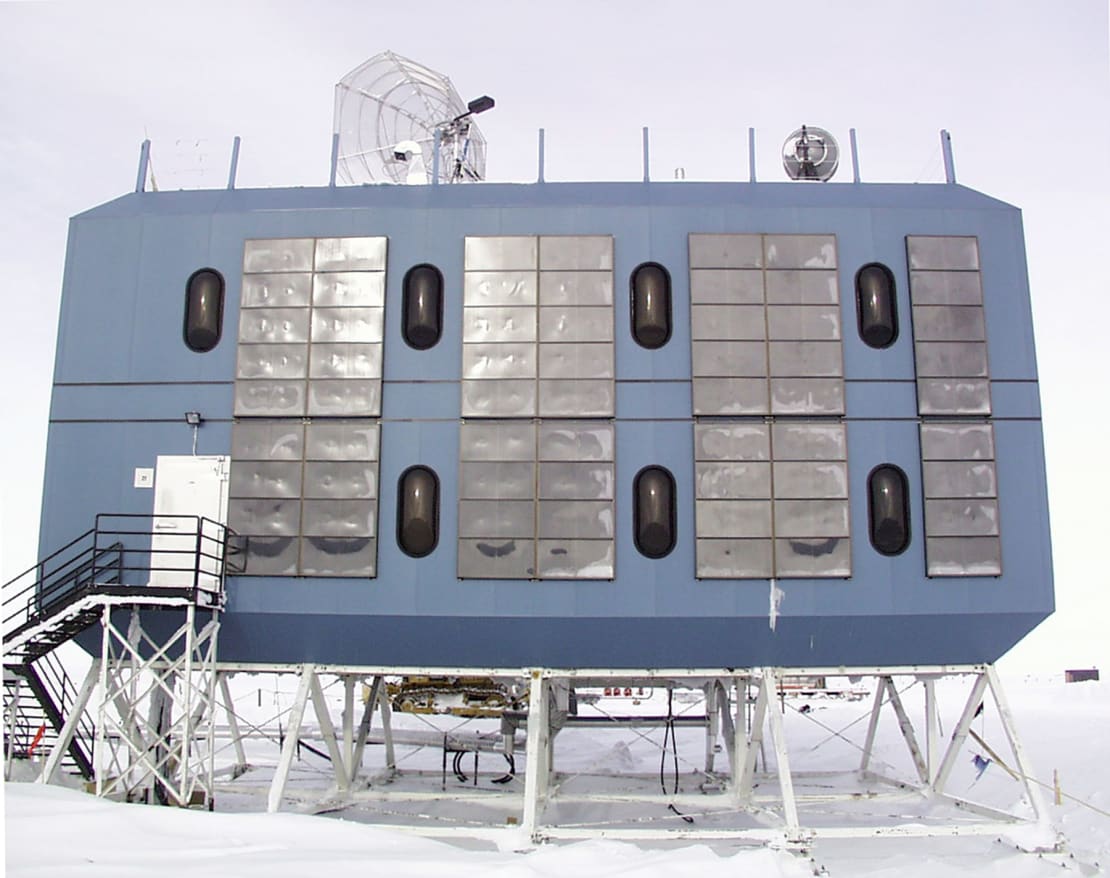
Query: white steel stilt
[(1036, 799), (959, 733), (771, 682), (932, 729), (387, 728), (873, 723), (739, 737), (364, 729), (100, 744), (155, 736), (906, 726), (11, 718), (327, 730), (349, 683), (292, 736), (712, 724), (159, 711), (772, 805), (233, 725), (536, 769), (755, 740), (65, 736), (728, 726)]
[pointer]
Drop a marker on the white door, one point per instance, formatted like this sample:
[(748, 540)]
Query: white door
[(187, 489)]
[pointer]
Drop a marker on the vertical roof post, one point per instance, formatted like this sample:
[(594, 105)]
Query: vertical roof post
[(751, 155), (234, 169), (946, 149), (855, 154), (539, 178), (334, 158), (435, 156), (144, 161)]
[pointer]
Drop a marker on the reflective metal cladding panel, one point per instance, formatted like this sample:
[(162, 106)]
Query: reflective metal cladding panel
[(310, 328), (536, 500), (771, 499), (950, 341), (961, 499), (304, 493), (765, 323), (538, 326), (305, 496)]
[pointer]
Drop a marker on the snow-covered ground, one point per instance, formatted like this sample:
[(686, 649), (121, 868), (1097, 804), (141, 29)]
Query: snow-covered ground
[(52, 831)]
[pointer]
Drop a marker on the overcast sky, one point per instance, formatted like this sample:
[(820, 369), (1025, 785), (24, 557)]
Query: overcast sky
[(1024, 88)]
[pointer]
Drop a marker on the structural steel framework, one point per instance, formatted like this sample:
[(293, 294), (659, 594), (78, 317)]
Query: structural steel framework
[(152, 702), (759, 799), (155, 699)]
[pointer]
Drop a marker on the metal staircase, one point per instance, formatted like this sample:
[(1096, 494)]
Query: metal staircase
[(120, 568), (38, 696)]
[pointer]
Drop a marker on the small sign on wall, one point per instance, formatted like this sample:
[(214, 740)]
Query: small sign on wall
[(144, 477)]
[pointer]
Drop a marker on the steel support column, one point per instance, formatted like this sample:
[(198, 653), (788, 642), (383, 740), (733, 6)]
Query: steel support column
[(536, 769), (155, 735)]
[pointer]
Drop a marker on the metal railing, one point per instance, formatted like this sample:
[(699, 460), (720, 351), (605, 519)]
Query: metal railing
[(38, 720), (123, 554), (63, 690)]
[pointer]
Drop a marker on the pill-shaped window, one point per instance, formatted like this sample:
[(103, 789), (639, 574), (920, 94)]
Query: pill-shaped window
[(653, 507), (204, 310), (876, 305), (418, 511), (888, 509), (651, 305), (422, 307)]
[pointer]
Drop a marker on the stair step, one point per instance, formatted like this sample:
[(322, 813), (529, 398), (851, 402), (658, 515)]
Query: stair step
[(44, 700)]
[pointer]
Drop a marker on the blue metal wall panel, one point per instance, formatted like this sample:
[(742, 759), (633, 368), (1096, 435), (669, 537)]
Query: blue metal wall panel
[(124, 379)]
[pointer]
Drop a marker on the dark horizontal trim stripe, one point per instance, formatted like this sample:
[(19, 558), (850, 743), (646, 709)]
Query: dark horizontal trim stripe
[(143, 383), (459, 380), (700, 419)]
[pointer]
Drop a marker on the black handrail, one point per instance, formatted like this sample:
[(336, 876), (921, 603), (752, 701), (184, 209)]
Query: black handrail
[(69, 577), (55, 697), (58, 682), (120, 555)]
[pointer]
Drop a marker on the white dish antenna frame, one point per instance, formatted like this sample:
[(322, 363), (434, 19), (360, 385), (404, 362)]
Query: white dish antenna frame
[(388, 112)]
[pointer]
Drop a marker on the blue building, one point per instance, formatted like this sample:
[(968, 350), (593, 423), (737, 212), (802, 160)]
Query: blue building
[(592, 425)]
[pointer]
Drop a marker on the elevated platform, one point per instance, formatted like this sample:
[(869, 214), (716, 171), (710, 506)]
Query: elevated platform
[(890, 772)]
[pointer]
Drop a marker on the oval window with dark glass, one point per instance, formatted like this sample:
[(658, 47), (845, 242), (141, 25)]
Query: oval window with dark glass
[(204, 310), (888, 509), (422, 306), (653, 512), (651, 305), (876, 305), (418, 511)]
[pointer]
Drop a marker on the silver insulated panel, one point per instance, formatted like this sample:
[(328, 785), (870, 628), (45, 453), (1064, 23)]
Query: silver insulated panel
[(536, 500), (305, 496), (765, 325), (310, 328), (962, 536), (304, 491), (538, 327), (949, 329), (771, 499)]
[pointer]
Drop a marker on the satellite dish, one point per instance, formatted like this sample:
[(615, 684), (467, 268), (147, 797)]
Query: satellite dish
[(810, 154), (411, 153), (387, 112)]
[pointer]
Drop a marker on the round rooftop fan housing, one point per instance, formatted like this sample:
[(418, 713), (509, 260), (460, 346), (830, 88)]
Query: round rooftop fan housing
[(810, 153)]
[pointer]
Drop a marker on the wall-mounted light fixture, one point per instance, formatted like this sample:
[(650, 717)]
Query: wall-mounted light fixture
[(194, 420)]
